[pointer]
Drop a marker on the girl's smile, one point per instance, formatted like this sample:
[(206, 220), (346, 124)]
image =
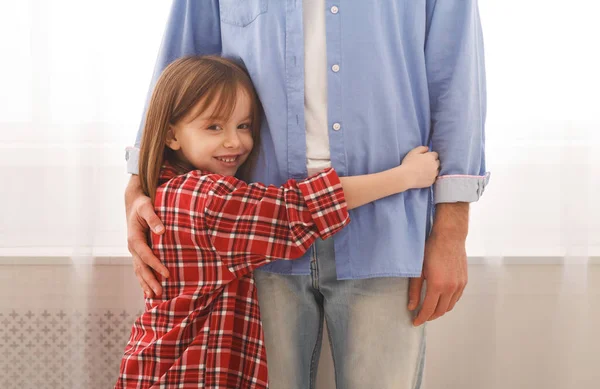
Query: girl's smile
[(214, 144), (228, 160)]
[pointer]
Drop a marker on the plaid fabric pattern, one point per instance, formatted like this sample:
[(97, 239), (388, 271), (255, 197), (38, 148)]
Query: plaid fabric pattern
[(205, 330)]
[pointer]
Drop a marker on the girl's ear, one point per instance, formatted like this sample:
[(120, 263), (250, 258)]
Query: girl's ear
[(172, 141)]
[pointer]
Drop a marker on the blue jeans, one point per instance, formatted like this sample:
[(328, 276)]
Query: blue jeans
[(372, 339)]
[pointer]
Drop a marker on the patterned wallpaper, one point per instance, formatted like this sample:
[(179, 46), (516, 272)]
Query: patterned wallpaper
[(65, 326), (62, 349)]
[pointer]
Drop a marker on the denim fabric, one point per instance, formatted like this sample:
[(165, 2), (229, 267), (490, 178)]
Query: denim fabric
[(373, 341)]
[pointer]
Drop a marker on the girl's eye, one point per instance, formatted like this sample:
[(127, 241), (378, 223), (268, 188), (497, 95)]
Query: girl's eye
[(245, 126), (214, 127)]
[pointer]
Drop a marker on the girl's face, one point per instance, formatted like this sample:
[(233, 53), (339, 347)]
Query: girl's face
[(215, 144)]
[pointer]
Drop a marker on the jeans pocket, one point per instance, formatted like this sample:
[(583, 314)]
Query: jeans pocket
[(241, 12)]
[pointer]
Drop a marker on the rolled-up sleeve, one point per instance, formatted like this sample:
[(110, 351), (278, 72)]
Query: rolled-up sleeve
[(193, 28), (457, 92)]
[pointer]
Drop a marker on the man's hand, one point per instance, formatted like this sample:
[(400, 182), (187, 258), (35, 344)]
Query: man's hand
[(444, 266), (141, 217)]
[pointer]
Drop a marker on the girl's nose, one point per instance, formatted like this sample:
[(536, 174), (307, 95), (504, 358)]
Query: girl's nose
[(232, 140)]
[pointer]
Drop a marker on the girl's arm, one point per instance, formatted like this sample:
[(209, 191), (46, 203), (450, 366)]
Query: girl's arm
[(419, 169), (361, 190), (251, 224)]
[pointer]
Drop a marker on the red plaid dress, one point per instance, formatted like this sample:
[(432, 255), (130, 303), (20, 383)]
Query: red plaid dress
[(205, 330)]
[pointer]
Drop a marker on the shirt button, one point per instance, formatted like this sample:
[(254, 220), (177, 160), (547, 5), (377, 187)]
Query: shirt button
[(335, 68), (334, 9), (337, 126)]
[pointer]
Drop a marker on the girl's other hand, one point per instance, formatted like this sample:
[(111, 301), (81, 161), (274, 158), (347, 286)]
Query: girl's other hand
[(421, 167)]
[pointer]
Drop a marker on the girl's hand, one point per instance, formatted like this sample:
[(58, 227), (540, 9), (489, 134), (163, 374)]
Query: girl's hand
[(421, 167)]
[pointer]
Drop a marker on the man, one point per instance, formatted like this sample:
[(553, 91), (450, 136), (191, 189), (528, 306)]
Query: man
[(354, 85)]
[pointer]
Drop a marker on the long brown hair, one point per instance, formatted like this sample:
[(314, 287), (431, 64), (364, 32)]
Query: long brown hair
[(181, 86)]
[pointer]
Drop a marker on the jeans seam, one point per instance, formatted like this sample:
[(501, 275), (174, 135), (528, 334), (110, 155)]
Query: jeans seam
[(316, 351), (335, 368), (419, 371), (314, 273)]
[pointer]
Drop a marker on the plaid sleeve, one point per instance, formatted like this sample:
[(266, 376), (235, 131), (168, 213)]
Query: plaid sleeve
[(251, 224)]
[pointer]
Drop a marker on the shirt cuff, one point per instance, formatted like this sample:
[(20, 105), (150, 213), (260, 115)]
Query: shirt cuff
[(325, 200), (132, 156), (459, 188)]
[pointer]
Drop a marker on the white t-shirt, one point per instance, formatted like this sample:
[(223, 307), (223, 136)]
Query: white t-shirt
[(315, 86)]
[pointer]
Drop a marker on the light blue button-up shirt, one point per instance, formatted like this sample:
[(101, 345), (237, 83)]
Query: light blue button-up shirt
[(411, 72)]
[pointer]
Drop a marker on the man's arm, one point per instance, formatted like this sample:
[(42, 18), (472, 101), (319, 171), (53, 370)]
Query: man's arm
[(193, 28), (457, 93)]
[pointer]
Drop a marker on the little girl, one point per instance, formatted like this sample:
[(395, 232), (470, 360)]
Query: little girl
[(202, 129)]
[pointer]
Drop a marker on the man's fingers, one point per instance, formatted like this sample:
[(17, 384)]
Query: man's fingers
[(138, 267), (146, 278), (147, 290), (140, 216), (457, 295), (453, 301), (442, 306), (414, 292), (428, 308), (141, 248), (146, 212)]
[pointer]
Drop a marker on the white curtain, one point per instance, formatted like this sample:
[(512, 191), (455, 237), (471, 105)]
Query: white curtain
[(73, 78), (543, 131), (75, 75)]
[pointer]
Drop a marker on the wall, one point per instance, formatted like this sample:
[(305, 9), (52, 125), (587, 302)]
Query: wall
[(517, 326)]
